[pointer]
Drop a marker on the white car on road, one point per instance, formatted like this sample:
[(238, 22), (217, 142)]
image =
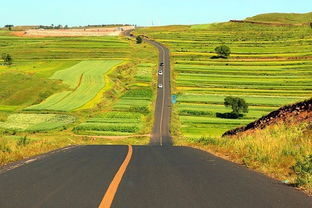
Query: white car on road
[(160, 86)]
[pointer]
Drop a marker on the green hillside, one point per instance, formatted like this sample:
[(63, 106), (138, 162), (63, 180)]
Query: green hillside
[(85, 80), (73, 75), (287, 18), (269, 67)]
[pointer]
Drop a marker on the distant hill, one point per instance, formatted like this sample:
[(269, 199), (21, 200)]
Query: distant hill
[(285, 18)]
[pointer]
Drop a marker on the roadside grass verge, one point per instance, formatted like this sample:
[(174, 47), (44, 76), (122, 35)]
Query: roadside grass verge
[(280, 151), (22, 146)]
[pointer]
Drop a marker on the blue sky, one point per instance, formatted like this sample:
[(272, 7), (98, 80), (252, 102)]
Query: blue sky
[(140, 12)]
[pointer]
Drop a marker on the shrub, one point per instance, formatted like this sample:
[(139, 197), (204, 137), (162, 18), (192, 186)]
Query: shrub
[(7, 59), (23, 141), (139, 40), (303, 169), (223, 51)]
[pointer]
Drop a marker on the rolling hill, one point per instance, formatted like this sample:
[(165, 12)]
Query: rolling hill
[(286, 18)]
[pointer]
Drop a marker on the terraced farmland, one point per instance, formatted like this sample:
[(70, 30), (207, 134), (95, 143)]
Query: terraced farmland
[(85, 79), (37, 59), (269, 67), (130, 114), (72, 75), (29, 52), (111, 123)]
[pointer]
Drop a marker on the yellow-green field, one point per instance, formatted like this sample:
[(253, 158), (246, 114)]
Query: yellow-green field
[(131, 114), (269, 67), (85, 80), (79, 76), (93, 80)]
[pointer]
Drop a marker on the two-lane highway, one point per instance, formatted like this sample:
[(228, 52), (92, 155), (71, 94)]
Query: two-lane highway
[(156, 177), (161, 129)]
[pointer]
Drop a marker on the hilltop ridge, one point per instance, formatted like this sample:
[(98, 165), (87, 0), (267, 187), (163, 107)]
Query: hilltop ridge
[(286, 18)]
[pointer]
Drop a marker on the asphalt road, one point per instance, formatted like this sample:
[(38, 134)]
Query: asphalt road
[(173, 177), (161, 128), (155, 176)]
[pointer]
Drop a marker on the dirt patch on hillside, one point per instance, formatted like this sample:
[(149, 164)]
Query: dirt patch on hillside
[(103, 31), (18, 33), (296, 113)]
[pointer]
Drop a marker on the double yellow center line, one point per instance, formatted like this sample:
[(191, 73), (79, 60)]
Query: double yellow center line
[(112, 189)]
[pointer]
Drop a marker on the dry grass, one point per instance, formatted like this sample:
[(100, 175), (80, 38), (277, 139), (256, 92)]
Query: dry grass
[(273, 151), (18, 147)]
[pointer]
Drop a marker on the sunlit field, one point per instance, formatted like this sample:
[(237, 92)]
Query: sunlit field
[(82, 77), (269, 67)]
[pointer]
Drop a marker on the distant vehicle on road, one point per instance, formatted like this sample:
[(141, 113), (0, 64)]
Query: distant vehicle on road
[(160, 72), (160, 86), (161, 64)]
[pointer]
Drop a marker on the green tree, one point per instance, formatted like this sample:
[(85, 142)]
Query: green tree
[(7, 59), (223, 51), (237, 104), (139, 40)]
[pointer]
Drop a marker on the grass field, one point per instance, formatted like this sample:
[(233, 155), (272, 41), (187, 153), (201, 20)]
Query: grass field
[(36, 122), (291, 18), (22, 89), (72, 74), (130, 113), (85, 80), (37, 59), (30, 81), (269, 67)]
